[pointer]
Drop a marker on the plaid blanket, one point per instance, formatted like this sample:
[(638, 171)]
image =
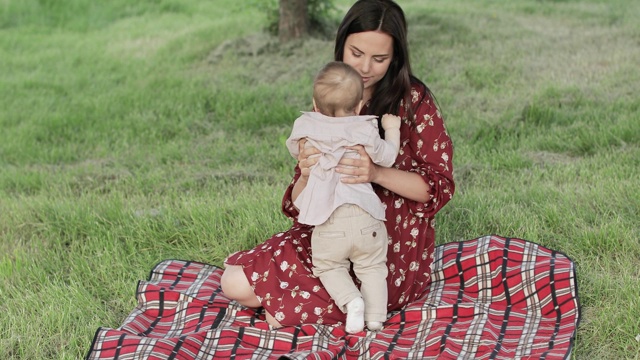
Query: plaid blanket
[(490, 298)]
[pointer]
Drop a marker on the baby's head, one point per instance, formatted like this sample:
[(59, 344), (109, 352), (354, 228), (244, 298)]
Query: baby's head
[(337, 90)]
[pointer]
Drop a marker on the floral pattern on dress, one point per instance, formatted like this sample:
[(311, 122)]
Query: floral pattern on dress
[(280, 269)]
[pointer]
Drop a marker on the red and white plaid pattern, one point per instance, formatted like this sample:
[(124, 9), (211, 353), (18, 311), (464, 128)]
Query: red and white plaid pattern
[(490, 298)]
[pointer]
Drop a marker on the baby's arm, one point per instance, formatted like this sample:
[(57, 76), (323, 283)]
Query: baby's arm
[(391, 126), (384, 152)]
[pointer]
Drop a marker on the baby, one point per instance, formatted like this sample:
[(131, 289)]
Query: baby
[(348, 218)]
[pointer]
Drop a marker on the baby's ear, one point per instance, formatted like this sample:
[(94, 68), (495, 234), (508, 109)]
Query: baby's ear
[(315, 107), (359, 107)]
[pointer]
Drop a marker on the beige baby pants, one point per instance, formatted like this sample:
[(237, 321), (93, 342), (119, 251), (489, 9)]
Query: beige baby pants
[(352, 234)]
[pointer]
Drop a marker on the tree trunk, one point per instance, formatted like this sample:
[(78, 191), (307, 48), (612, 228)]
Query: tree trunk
[(294, 20)]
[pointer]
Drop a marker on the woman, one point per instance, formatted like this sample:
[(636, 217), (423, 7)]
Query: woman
[(277, 274)]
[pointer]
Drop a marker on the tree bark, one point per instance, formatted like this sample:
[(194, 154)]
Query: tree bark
[(294, 20)]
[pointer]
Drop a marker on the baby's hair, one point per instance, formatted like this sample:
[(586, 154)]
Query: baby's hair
[(337, 89)]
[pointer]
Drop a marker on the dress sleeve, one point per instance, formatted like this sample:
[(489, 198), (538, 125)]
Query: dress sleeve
[(431, 154)]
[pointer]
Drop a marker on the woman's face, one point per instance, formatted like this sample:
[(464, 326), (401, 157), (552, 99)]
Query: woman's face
[(370, 53)]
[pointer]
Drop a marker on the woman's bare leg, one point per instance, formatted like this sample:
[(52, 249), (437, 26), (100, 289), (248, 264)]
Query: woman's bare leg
[(235, 286), (271, 320)]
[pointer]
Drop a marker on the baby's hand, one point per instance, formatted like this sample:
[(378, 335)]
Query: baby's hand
[(390, 122)]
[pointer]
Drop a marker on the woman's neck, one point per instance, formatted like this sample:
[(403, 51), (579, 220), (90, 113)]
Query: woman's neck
[(366, 95)]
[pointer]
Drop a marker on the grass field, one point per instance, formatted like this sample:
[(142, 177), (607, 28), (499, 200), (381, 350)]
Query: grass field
[(133, 132)]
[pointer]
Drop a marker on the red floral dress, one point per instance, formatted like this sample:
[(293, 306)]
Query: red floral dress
[(280, 269)]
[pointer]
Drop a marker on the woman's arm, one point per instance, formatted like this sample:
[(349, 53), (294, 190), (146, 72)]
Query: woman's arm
[(299, 186), (409, 185), (423, 173)]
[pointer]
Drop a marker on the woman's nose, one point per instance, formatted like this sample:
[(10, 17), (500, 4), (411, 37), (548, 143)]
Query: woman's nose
[(365, 66)]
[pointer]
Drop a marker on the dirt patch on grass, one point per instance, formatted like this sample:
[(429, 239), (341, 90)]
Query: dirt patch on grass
[(489, 60), (581, 55), (262, 59)]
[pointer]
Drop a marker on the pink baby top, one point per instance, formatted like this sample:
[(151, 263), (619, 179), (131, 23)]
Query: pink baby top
[(324, 191)]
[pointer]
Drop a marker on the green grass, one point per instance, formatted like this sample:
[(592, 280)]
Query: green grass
[(132, 132)]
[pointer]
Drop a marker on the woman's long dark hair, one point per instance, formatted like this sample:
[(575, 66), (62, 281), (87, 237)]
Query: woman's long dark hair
[(395, 86)]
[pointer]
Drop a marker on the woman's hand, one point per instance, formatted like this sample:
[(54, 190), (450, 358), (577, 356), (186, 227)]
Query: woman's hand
[(307, 157), (357, 171)]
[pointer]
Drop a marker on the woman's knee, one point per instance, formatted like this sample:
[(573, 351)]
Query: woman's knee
[(235, 286)]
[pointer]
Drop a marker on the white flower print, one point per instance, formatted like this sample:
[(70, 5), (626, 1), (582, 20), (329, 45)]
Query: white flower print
[(399, 280), (277, 252), (396, 247), (435, 145), (284, 284), (317, 311), (317, 288), (298, 309), (398, 203), (279, 316), (414, 96), (420, 143), (267, 299), (429, 119), (254, 276), (293, 270), (415, 232), (304, 316), (420, 127), (413, 266), (413, 243), (284, 265), (305, 294)]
